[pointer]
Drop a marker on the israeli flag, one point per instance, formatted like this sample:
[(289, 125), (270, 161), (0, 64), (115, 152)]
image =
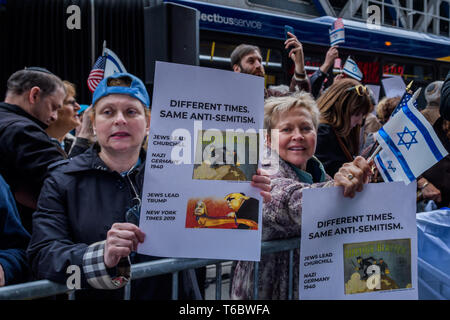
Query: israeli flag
[(113, 63), (351, 69), (406, 100), (337, 32), (409, 146)]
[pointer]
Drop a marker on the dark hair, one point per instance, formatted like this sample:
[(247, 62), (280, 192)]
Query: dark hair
[(23, 80), (120, 82), (241, 51)]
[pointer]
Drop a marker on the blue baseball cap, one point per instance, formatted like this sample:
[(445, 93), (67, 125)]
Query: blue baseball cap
[(83, 108), (135, 90)]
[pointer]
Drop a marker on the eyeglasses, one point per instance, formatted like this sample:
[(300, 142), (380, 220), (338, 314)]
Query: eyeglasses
[(360, 90), (72, 102), (132, 215)]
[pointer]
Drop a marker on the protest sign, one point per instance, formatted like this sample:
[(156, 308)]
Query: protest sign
[(394, 86), (376, 92), (359, 248), (203, 150)]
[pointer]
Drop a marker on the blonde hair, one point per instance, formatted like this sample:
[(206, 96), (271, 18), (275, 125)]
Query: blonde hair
[(70, 88), (385, 108), (275, 106)]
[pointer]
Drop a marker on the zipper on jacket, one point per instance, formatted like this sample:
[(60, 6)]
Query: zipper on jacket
[(133, 214)]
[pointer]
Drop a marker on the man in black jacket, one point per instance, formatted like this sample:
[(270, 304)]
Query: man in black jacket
[(33, 97)]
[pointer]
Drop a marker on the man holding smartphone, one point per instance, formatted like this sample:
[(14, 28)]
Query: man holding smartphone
[(247, 58)]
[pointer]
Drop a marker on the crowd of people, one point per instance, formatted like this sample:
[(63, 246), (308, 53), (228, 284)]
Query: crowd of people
[(71, 179)]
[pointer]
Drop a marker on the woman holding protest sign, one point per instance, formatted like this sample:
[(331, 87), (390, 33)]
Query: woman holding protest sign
[(296, 118), (89, 207), (90, 198)]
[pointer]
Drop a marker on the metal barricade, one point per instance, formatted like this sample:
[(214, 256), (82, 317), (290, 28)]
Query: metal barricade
[(46, 288)]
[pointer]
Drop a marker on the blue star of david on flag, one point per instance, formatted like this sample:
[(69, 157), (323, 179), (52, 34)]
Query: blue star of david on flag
[(401, 135), (390, 167), (396, 145)]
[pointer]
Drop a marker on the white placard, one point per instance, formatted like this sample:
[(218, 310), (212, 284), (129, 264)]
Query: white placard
[(394, 86), (376, 91), (194, 164), (360, 248)]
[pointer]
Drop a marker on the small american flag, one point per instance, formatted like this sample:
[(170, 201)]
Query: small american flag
[(97, 73)]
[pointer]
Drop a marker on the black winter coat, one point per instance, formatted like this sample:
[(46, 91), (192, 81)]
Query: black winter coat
[(328, 150), (439, 174), (26, 151), (79, 202)]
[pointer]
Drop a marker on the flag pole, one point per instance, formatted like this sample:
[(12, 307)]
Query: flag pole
[(92, 32), (416, 94), (409, 86), (407, 90), (104, 47), (378, 149)]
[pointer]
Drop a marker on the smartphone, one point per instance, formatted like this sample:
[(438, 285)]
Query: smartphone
[(288, 29)]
